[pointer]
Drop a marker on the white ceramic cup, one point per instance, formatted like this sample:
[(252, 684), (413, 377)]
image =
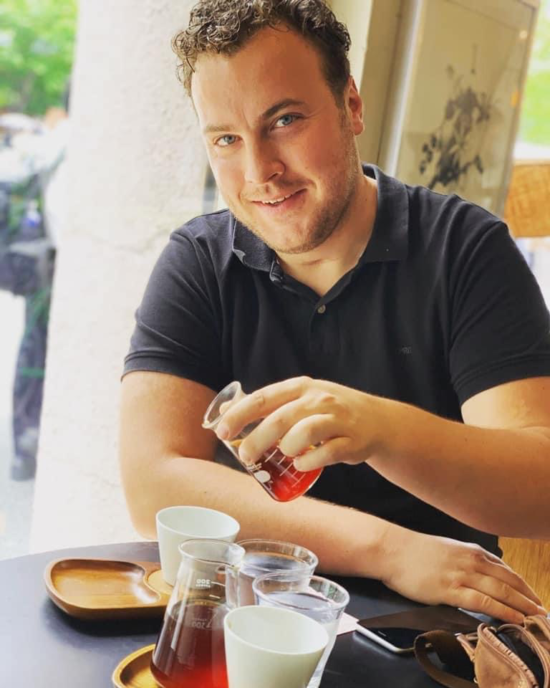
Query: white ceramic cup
[(176, 524), (271, 647)]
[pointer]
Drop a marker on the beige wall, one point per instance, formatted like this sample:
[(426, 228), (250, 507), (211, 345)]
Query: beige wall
[(355, 14), (373, 27), (135, 171)]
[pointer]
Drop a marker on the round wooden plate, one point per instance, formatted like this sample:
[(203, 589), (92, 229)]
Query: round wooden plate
[(135, 670)]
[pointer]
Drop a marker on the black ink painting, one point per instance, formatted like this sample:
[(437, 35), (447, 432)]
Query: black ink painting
[(447, 154)]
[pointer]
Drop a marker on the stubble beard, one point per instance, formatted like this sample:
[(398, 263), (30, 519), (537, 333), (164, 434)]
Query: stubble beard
[(331, 216)]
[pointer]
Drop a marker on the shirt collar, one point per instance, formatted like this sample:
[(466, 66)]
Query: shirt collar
[(250, 249), (388, 242), (390, 235)]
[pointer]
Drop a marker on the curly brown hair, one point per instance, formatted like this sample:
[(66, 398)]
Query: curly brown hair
[(224, 26)]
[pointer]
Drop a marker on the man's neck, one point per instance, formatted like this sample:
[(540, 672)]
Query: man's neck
[(321, 268)]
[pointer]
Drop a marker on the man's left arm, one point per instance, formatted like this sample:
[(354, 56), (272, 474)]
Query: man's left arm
[(493, 471)]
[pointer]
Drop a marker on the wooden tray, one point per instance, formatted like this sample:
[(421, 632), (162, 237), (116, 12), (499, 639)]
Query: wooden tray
[(134, 671), (103, 589)]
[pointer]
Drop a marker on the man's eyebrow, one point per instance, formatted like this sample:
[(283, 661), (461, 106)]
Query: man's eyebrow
[(270, 112), (281, 105)]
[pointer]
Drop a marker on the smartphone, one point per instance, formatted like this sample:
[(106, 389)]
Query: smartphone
[(397, 632), (399, 640)]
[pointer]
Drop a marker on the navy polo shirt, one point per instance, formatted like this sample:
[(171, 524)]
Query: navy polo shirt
[(440, 306)]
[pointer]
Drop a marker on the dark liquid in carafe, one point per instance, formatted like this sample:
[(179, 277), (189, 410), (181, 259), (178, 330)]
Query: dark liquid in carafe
[(192, 655)]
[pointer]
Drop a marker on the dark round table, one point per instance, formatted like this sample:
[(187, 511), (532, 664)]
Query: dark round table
[(42, 647)]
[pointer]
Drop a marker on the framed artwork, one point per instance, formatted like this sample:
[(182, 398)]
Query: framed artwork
[(454, 100)]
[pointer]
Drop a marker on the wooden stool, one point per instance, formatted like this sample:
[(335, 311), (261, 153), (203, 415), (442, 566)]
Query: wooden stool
[(531, 559)]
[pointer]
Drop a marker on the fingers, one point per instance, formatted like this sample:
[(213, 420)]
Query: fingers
[(496, 599), (296, 415), (462, 575), (313, 440), (273, 431), (309, 438), (260, 404), (293, 436), (491, 587), (309, 435), (333, 450), (510, 577), (475, 601)]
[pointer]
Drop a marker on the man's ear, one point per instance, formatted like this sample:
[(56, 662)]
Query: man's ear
[(354, 106)]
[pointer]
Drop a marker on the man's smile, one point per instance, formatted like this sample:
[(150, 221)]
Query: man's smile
[(281, 203)]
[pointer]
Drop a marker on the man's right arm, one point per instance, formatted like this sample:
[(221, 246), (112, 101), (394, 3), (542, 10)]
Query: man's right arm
[(167, 458)]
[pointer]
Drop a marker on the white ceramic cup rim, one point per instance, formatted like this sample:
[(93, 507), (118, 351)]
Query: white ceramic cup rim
[(232, 526), (277, 653)]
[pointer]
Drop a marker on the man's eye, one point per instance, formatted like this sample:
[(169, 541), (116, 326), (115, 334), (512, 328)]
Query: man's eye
[(285, 120), (226, 140)]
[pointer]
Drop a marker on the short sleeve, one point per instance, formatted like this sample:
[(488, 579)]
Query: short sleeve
[(500, 326), (177, 327)]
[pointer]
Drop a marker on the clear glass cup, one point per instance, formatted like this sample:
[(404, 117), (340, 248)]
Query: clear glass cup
[(190, 648), (274, 471), (319, 598), (268, 556)]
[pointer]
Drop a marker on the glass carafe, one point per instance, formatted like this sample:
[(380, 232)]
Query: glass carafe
[(190, 648)]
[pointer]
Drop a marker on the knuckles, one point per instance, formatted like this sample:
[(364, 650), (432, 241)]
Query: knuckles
[(485, 604), (327, 400), (504, 593), (478, 555), (258, 399), (279, 426), (303, 383), (332, 454)]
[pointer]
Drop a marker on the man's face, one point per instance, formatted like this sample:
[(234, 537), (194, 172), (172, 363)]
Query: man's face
[(280, 147)]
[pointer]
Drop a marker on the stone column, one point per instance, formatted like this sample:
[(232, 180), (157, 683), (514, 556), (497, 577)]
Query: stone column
[(135, 170)]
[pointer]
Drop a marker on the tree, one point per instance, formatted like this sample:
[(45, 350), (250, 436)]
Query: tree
[(535, 114), (36, 53)]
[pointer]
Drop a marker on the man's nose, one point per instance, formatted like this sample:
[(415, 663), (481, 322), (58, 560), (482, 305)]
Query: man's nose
[(262, 164)]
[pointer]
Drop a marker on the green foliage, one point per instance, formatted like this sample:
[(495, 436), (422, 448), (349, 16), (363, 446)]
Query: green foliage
[(36, 53), (535, 114)]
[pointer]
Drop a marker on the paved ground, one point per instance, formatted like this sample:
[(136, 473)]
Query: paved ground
[(15, 497)]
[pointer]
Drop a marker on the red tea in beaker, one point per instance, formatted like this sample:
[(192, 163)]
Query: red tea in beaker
[(190, 650), (277, 474), (274, 471)]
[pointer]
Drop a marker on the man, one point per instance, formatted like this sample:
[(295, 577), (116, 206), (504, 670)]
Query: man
[(409, 312), (28, 161)]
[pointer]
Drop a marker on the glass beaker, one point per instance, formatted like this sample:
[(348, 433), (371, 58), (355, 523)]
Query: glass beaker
[(274, 470), (319, 598), (267, 556), (190, 648)]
